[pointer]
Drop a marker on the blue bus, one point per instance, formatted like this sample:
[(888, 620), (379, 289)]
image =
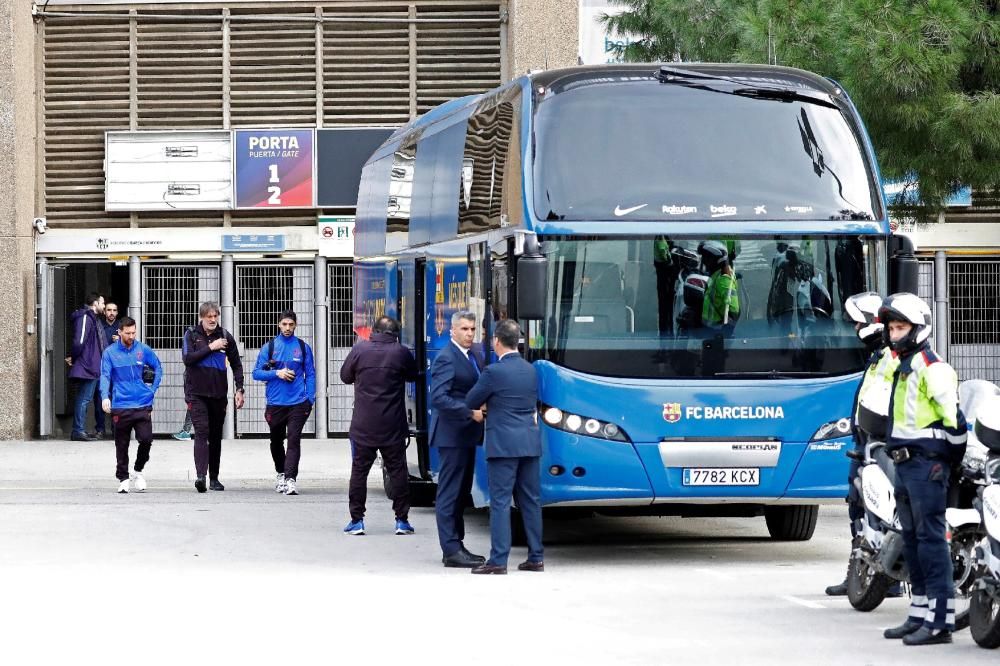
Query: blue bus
[(677, 242)]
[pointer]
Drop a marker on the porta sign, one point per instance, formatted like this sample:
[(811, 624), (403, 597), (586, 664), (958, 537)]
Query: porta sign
[(274, 168)]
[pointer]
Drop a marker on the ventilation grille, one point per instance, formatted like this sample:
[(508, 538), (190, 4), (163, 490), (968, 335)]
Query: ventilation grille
[(179, 82)]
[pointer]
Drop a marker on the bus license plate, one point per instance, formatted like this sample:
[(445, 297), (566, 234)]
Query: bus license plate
[(721, 476)]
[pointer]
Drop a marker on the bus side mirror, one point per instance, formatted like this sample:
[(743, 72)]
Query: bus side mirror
[(903, 268), (532, 270)]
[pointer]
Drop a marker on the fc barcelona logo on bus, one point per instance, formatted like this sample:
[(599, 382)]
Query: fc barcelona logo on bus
[(671, 412)]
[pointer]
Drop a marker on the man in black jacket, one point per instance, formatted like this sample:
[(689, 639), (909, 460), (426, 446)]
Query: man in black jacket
[(205, 348), (379, 369)]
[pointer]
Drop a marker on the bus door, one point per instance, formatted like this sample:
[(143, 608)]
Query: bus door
[(410, 277)]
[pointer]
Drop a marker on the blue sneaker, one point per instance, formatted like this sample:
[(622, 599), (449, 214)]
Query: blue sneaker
[(404, 527), (355, 528)]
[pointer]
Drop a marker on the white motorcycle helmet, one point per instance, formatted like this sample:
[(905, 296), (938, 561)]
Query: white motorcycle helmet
[(911, 309), (863, 309), (987, 426)]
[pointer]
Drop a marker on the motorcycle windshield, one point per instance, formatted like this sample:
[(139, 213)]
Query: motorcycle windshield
[(683, 307)]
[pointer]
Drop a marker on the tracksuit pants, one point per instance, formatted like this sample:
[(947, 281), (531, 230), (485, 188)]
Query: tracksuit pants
[(921, 500), (208, 416), (282, 420), (127, 420), (394, 459)]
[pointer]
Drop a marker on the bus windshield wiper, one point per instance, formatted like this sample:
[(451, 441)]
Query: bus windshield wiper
[(702, 81), (774, 374), (783, 95)]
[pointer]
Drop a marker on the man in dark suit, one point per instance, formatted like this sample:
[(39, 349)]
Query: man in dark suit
[(509, 389), (456, 434)]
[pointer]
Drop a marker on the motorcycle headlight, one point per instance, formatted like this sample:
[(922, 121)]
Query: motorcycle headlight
[(832, 430), (581, 425)]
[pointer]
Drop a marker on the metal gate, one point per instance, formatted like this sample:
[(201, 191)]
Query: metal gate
[(263, 291), (974, 318), (341, 328), (171, 296)]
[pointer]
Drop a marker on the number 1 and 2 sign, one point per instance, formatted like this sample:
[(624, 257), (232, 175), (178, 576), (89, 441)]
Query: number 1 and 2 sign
[(274, 168)]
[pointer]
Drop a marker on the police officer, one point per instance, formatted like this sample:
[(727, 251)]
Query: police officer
[(927, 436), (862, 309)]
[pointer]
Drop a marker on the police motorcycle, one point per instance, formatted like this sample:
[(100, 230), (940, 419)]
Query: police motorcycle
[(877, 560), (983, 470)]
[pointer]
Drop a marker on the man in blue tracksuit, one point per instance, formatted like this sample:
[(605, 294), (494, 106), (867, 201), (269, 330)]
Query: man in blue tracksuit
[(286, 364), (129, 399)]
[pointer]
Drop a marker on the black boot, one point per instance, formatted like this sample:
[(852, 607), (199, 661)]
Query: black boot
[(200, 484), (903, 630), (838, 590), (215, 485), (925, 636)]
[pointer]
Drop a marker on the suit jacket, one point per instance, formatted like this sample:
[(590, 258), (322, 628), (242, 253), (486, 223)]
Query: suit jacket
[(451, 378), (509, 388)]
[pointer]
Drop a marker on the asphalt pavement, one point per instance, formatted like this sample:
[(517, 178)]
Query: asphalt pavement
[(247, 576)]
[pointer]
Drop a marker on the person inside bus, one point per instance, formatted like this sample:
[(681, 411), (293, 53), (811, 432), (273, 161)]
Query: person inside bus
[(721, 307), (667, 272), (457, 435)]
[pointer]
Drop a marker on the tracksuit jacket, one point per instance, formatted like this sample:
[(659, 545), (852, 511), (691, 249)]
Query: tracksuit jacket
[(205, 370), (121, 372), (288, 354)]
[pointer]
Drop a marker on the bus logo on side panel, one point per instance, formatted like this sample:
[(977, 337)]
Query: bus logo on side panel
[(671, 412)]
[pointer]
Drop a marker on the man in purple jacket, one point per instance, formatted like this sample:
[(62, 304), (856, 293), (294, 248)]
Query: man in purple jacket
[(379, 369), (84, 360)]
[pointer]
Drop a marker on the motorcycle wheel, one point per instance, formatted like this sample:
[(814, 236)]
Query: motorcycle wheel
[(866, 588), (984, 619), (962, 544)]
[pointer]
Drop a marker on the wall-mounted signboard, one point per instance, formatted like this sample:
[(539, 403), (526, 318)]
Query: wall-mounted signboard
[(274, 168), (162, 171)]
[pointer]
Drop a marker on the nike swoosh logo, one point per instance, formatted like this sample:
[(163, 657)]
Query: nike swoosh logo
[(619, 211)]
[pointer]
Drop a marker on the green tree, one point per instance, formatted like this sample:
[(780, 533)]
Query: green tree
[(925, 74)]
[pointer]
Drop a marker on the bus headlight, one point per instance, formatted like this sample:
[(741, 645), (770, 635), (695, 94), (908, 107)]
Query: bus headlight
[(581, 425), (832, 430)]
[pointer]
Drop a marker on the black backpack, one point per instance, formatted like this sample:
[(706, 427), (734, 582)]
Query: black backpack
[(270, 353)]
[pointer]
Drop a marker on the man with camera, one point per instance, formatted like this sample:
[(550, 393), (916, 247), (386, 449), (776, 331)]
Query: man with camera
[(205, 349), (130, 375), (287, 365)]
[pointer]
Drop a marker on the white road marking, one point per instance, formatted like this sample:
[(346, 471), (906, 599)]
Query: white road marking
[(802, 602), (714, 573)]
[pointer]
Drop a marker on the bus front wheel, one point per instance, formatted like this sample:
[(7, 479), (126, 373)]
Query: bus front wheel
[(422, 493), (791, 523)]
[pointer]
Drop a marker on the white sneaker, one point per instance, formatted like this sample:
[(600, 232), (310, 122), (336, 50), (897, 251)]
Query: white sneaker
[(140, 482), (279, 483), (290, 488), (123, 486)]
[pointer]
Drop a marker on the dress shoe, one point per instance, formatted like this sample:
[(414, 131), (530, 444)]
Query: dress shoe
[(478, 558), (528, 565), (82, 437), (200, 484), (490, 569), (838, 590), (895, 592), (925, 636), (215, 485), (461, 559), (904, 629)]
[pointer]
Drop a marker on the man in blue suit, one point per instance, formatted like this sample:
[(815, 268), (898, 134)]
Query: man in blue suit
[(509, 389), (456, 433)]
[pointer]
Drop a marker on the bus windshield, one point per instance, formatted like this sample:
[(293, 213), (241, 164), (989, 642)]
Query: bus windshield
[(641, 150), (661, 307)]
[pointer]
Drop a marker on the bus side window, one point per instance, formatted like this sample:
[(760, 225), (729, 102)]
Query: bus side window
[(484, 166)]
